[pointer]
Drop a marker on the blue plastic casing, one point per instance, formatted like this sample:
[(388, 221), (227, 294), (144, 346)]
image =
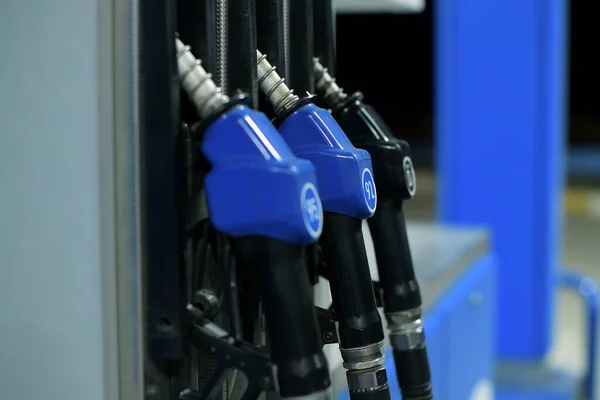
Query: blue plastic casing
[(344, 172), (257, 186)]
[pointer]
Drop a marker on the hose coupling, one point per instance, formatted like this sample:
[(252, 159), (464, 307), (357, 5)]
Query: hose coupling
[(361, 358), (406, 329)]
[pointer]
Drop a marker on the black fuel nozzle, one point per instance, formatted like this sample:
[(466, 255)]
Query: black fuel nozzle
[(395, 180)]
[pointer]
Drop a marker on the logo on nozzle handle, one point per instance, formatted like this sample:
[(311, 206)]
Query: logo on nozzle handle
[(369, 190), (409, 176), (312, 210)]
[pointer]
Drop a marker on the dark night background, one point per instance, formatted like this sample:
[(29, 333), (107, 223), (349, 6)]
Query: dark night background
[(400, 50)]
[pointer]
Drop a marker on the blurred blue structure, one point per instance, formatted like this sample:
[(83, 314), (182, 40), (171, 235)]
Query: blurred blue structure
[(500, 114), (537, 380)]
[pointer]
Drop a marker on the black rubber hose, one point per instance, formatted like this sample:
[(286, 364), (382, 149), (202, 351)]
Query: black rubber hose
[(415, 381), (241, 51), (324, 33), (196, 28), (301, 50), (270, 32), (379, 394), (270, 37)]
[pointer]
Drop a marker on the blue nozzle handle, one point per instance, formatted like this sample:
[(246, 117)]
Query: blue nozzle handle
[(345, 173), (257, 186)]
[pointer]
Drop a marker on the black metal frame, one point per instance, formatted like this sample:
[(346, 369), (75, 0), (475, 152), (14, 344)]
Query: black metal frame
[(160, 172)]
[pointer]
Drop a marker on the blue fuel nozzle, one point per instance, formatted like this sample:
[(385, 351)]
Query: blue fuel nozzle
[(267, 198), (345, 173), (349, 195), (257, 186)]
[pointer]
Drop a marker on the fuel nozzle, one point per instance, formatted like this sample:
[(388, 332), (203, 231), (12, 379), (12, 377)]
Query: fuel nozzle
[(249, 161), (395, 177), (348, 195)]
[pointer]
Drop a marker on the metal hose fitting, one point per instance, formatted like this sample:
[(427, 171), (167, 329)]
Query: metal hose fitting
[(369, 380), (363, 357), (280, 96), (366, 372), (326, 86), (198, 83), (410, 354), (406, 329)]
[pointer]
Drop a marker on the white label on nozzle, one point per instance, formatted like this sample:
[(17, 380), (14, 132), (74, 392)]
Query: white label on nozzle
[(312, 210), (409, 176), (369, 190)]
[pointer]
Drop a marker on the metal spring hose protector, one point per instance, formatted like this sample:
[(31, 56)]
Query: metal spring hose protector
[(273, 86), (198, 83), (326, 86)]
